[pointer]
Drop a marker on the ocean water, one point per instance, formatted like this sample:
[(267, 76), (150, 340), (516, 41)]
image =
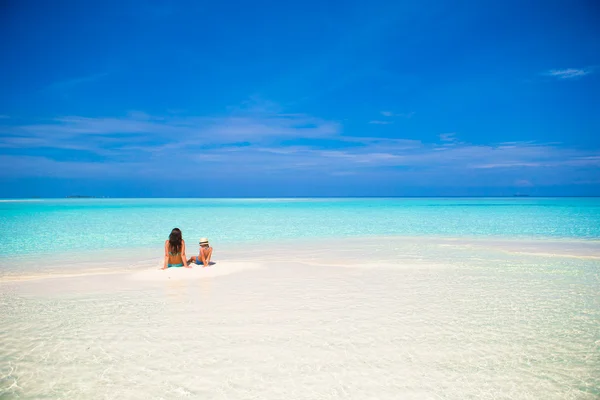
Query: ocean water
[(308, 299), (59, 226)]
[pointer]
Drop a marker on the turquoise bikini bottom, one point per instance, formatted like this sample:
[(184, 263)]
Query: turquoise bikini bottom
[(174, 265)]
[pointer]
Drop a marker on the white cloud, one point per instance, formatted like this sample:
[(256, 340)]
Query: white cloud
[(421, 162), (379, 122), (448, 137), (140, 131), (247, 144), (568, 73), (401, 115)]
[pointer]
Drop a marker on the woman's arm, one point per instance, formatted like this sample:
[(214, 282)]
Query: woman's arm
[(183, 257), (166, 254)]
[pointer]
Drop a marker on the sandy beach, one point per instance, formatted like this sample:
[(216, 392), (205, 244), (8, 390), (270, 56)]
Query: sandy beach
[(376, 318)]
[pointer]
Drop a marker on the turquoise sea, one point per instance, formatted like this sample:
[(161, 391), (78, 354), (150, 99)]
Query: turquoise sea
[(64, 225), (387, 298)]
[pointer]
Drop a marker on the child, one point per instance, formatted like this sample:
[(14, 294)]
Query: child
[(205, 253)]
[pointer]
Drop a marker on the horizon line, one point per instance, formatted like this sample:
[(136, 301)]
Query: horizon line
[(287, 197)]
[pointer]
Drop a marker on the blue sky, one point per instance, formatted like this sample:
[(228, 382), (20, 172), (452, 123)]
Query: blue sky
[(311, 98)]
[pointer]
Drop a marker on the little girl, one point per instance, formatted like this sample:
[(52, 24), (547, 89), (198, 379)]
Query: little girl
[(205, 253)]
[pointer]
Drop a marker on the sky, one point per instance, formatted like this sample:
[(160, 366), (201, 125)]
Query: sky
[(299, 98)]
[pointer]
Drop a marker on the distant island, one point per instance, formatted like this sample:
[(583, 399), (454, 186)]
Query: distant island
[(80, 197)]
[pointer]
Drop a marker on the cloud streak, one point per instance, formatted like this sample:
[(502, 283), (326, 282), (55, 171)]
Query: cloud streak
[(400, 115), (569, 73), (448, 137), (70, 83), (248, 145), (139, 131)]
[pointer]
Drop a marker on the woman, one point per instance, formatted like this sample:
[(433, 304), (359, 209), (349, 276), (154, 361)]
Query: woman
[(175, 250), (205, 254)]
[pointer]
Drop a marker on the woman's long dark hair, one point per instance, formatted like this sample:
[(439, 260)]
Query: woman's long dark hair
[(175, 241)]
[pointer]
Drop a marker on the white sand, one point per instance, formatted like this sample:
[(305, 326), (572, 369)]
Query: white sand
[(194, 271), (381, 318)]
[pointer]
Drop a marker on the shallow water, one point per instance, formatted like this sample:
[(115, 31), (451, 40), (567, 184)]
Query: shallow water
[(380, 318), (308, 299), (56, 226)]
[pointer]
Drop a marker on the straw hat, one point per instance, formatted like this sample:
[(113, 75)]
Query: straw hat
[(203, 241)]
